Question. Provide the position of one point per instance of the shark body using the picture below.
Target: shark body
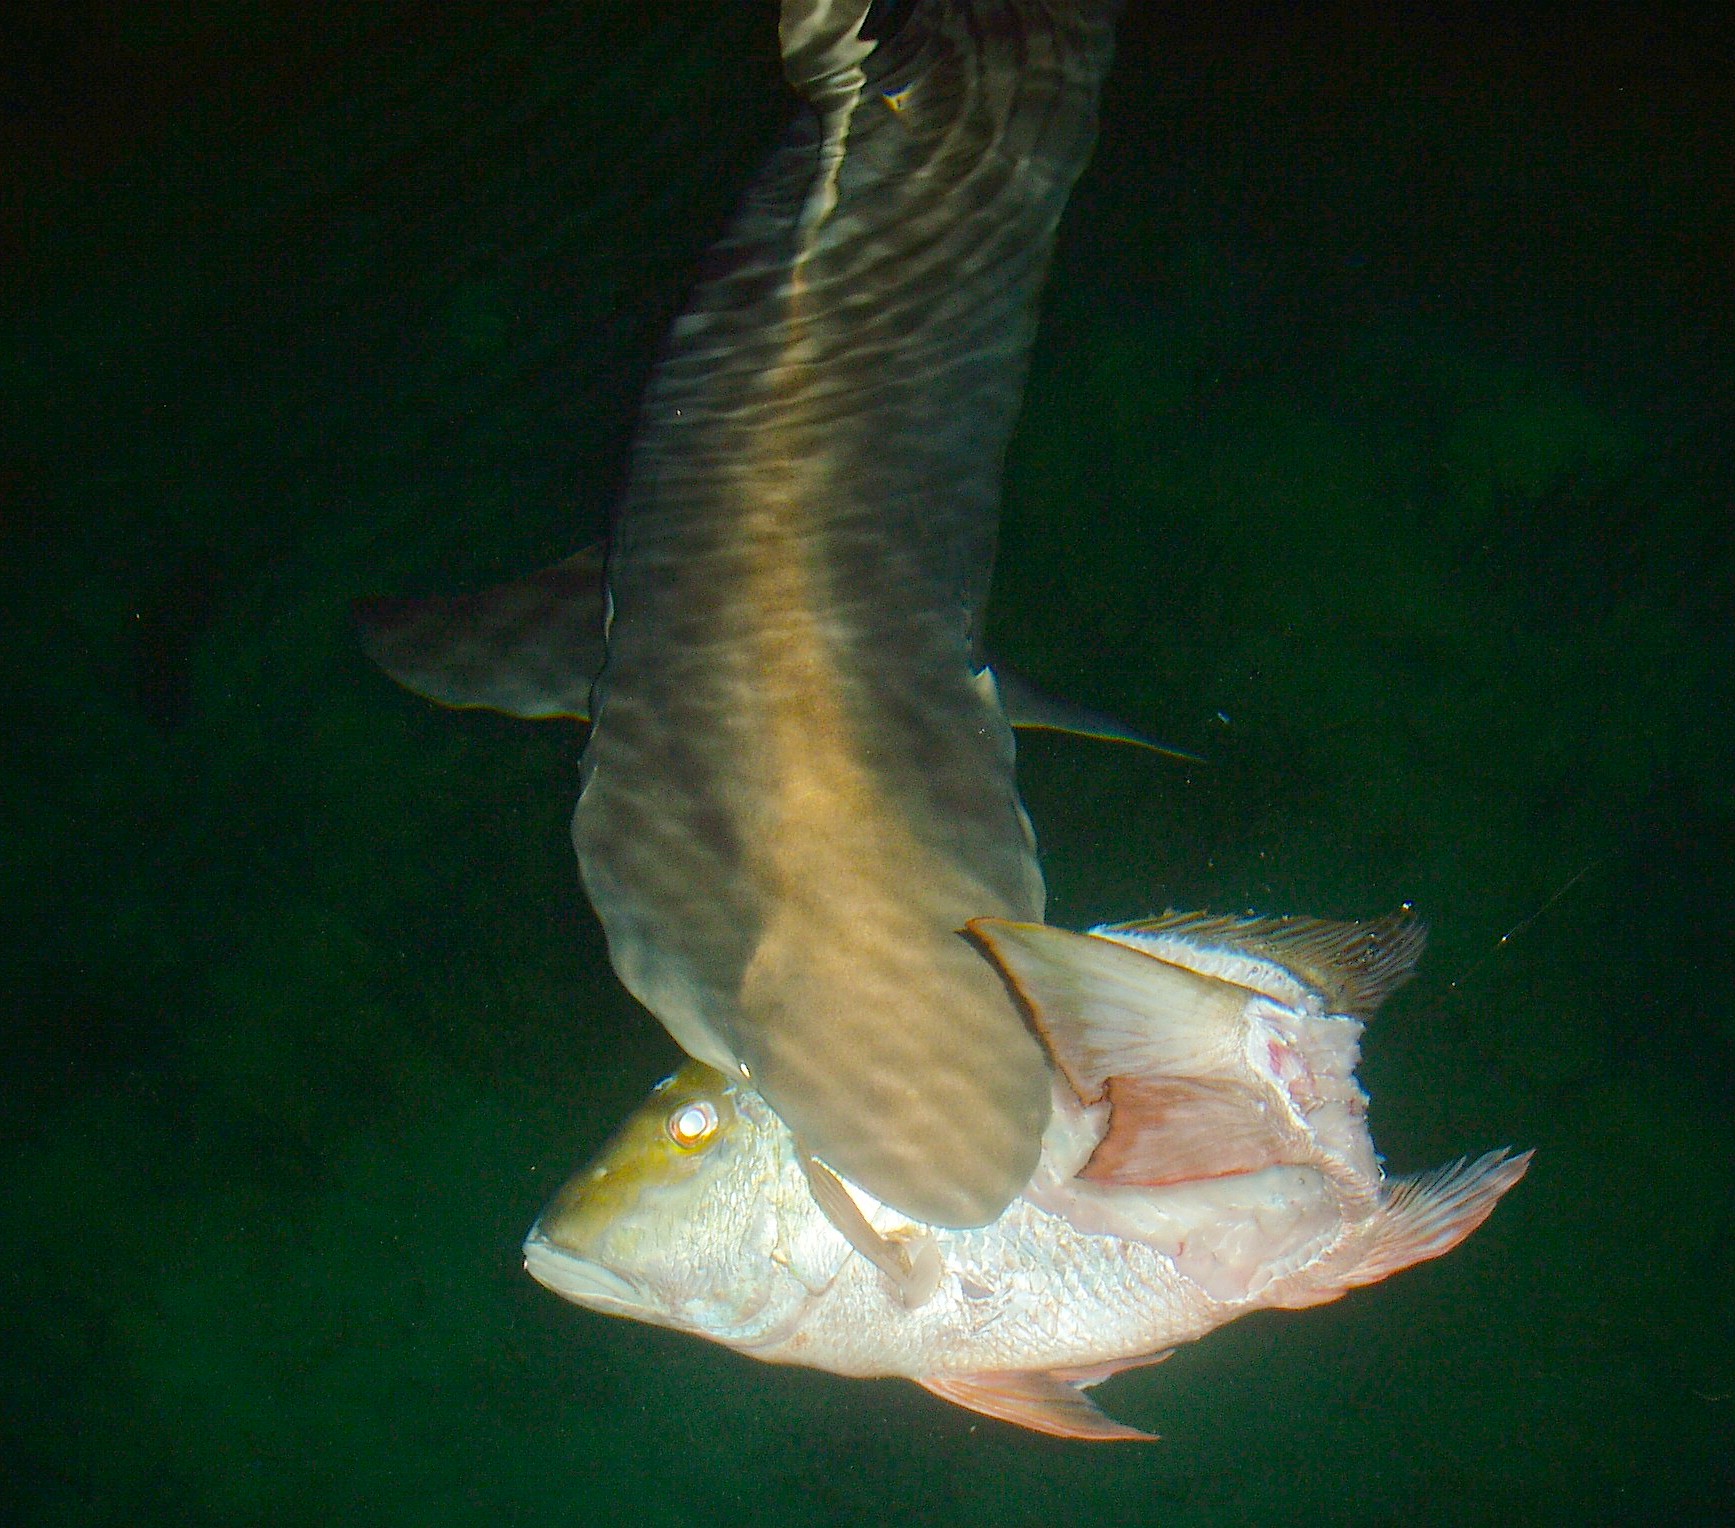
(798, 787)
(922, 1134)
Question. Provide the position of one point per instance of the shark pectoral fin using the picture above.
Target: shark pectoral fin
(912, 1263)
(1043, 1402)
(1035, 710)
(530, 648)
(1425, 1216)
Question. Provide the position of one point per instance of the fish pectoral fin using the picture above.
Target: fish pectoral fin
(911, 1261)
(1041, 1401)
(530, 648)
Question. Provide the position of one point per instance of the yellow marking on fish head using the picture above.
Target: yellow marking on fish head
(660, 1147)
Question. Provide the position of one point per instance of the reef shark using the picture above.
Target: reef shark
(798, 786)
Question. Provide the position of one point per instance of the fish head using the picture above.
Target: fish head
(686, 1217)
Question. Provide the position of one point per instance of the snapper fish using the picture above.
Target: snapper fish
(1207, 1154)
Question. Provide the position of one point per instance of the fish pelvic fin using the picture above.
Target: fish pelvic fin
(530, 648)
(1424, 1216)
(1040, 1401)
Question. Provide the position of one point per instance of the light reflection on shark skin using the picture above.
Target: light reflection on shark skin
(799, 784)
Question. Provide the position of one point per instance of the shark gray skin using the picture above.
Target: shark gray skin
(798, 787)
(799, 783)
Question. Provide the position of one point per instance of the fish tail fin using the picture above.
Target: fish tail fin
(1426, 1215)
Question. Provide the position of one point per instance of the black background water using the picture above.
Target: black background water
(1379, 447)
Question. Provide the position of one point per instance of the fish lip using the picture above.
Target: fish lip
(578, 1279)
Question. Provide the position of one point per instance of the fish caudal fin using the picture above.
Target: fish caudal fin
(1045, 1403)
(1425, 1216)
(530, 648)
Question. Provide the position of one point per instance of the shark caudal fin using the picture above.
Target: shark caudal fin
(530, 648)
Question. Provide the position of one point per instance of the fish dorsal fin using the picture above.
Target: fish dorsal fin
(1042, 1402)
(530, 648)
(912, 1263)
(1353, 966)
(1204, 1077)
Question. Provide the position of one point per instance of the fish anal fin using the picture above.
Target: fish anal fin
(530, 648)
(1164, 1130)
(1043, 1402)
(1094, 1374)
(1424, 1217)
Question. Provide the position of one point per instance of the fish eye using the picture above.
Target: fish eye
(693, 1123)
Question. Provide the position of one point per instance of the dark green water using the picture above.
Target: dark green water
(1380, 446)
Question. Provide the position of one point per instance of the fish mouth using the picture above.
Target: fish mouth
(578, 1279)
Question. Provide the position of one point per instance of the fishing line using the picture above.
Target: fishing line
(1523, 923)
